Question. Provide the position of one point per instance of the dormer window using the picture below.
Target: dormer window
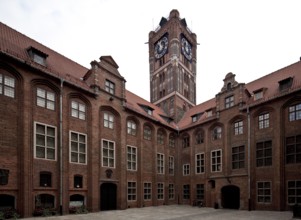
(285, 83)
(209, 113)
(258, 94)
(37, 56)
(196, 117)
(147, 109)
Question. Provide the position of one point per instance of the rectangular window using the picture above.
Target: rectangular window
(4, 174)
(200, 163)
(264, 154)
(217, 133)
(295, 112)
(160, 163)
(45, 141)
(110, 87)
(7, 86)
(171, 191)
(171, 163)
(147, 191)
(78, 110)
(238, 128)
(108, 120)
(131, 158)
(78, 181)
(45, 99)
(216, 160)
(186, 169)
(229, 102)
(294, 192)
(264, 192)
(264, 120)
(186, 191)
(160, 191)
(78, 148)
(200, 191)
(238, 157)
(108, 154)
(45, 179)
(293, 149)
(132, 191)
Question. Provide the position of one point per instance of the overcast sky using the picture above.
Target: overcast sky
(250, 38)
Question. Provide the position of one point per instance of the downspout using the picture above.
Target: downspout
(61, 147)
(249, 160)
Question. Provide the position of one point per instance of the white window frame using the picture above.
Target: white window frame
(160, 163)
(200, 163)
(218, 166)
(44, 98)
(171, 191)
(171, 165)
(78, 110)
(131, 158)
(160, 191)
(7, 85)
(35, 141)
(239, 127)
(108, 158)
(131, 127)
(147, 191)
(264, 120)
(108, 120)
(132, 191)
(78, 146)
(186, 169)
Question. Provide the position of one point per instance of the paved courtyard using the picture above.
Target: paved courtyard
(176, 212)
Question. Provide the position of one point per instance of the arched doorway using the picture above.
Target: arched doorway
(108, 196)
(230, 197)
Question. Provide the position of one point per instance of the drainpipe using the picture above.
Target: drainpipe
(249, 160)
(61, 147)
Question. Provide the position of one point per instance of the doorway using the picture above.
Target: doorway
(230, 197)
(108, 196)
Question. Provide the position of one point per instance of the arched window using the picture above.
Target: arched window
(131, 127)
(147, 133)
(217, 133)
(199, 137)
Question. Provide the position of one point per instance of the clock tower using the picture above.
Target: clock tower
(172, 60)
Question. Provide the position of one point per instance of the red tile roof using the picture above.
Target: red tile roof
(15, 44)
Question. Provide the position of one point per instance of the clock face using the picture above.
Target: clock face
(161, 47)
(186, 48)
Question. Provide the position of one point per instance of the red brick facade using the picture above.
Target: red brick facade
(71, 136)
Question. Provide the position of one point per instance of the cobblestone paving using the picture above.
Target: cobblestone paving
(175, 212)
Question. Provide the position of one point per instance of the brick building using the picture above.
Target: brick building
(72, 136)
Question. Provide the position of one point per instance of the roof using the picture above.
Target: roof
(270, 83)
(201, 110)
(135, 103)
(16, 44)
